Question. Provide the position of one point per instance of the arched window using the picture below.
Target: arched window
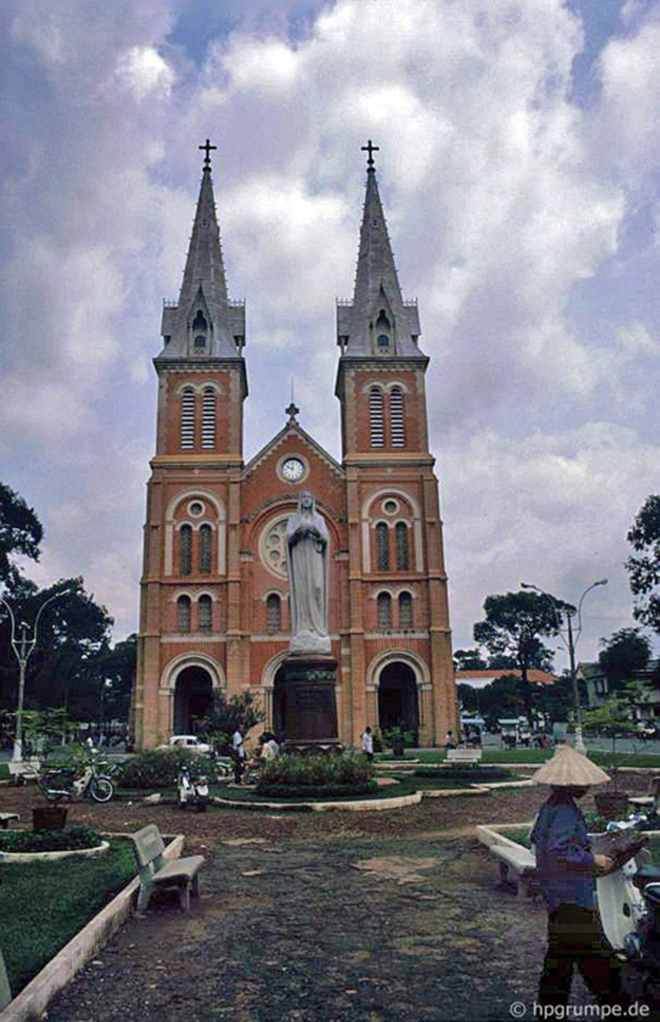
(402, 550)
(205, 549)
(185, 549)
(382, 331)
(199, 322)
(183, 613)
(273, 613)
(376, 422)
(382, 547)
(208, 419)
(405, 611)
(204, 612)
(188, 419)
(384, 610)
(397, 417)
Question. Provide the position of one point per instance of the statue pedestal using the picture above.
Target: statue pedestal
(310, 723)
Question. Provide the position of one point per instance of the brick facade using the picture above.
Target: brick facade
(214, 603)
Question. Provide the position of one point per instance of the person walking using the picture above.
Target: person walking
(238, 755)
(368, 744)
(566, 868)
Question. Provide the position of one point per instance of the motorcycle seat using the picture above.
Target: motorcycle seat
(649, 874)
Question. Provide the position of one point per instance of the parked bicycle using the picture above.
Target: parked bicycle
(75, 783)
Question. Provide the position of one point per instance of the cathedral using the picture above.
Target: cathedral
(214, 610)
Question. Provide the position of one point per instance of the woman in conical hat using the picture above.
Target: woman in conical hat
(566, 869)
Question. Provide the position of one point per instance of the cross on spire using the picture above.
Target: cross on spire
(371, 149)
(207, 147)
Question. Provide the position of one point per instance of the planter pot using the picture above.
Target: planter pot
(613, 805)
(49, 818)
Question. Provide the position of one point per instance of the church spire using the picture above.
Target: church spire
(204, 322)
(377, 321)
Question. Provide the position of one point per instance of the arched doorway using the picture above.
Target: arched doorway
(279, 703)
(192, 698)
(397, 698)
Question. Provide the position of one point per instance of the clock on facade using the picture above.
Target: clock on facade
(292, 470)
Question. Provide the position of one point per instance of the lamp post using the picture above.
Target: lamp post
(23, 648)
(571, 642)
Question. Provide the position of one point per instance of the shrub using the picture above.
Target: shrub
(158, 768)
(329, 771)
(65, 840)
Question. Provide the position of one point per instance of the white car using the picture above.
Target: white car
(186, 742)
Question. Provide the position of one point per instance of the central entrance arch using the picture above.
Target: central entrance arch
(192, 698)
(397, 698)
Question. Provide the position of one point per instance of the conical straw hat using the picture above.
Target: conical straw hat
(568, 767)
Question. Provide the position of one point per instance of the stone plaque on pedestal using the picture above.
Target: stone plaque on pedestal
(310, 722)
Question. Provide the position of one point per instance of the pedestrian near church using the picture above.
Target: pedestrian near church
(368, 744)
(567, 868)
(238, 754)
(449, 740)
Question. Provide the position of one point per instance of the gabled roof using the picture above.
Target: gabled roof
(484, 677)
(292, 428)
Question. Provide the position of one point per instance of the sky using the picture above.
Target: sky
(518, 167)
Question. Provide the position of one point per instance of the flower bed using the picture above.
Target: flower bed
(344, 775)
(68, 839)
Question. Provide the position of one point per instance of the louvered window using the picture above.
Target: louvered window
(183, 613)
(208, 419)
(377, 429)
(382, 547)
(188, 420)
(185, 549)
(273, 613)
(205, 549)
(204, 612)
(397, 417)
(384, 610)
(402, 551)
(405, 611)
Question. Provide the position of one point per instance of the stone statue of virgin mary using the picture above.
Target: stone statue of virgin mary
(307, 564)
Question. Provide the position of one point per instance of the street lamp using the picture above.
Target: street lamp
(23, 649)
(571, 642)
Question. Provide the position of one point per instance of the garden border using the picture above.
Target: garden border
(359, 805)
(18, 858)
(35, 997)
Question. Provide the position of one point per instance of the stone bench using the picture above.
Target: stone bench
(156, 872)
(6, 818)
(471, 756)
(652, 798)
(521, 862)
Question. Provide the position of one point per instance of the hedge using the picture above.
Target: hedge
(330, 771)
(65, 840)
(158, 768)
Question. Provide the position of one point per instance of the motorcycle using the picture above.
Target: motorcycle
(193, 789)
(75, 784)
(629, 904)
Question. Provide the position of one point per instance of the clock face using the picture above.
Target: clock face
(293, 469)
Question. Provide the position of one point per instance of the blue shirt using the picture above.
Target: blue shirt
(564, 860)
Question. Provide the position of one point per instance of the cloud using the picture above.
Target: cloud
(518, 214)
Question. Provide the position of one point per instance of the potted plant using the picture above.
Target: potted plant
(398, 740)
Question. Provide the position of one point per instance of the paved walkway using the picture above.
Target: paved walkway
(298, 933)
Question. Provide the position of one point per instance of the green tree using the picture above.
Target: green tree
(20, 533)
(644, 571)
(225, 716)
(503, 698)
(115, 667)
(65, 666)
(469, 660)
(624, 655)
(512, 627)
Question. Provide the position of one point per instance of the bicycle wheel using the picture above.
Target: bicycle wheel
(101, 789)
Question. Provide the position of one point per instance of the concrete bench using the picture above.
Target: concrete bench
(521, 862)
(471, 756)
(6, 818)
(24, 770)
(156, 872)
(652, 798)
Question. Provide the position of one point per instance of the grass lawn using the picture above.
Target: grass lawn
(4, 772)
(531, 756)
(43, 905)
(406, 786)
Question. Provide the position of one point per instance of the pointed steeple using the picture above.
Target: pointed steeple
(378, 321)
(204, 322)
